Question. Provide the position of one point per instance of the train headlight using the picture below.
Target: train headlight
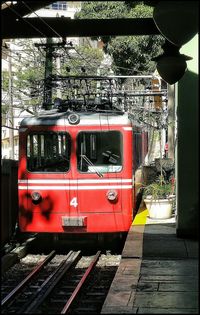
(74, 119)
(36, 196)
(112, 195)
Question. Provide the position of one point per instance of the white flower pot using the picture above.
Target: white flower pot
(159, 209)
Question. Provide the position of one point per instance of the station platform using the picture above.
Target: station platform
(158, 272)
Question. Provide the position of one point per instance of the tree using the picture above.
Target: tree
(131, 54)
(83, 58)
(27, 76)
(29, 70)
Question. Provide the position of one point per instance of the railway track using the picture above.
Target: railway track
(58, 284)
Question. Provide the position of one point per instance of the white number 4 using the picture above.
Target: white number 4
(74, 202)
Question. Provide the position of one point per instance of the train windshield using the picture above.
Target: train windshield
(99, 152)
(48, 152)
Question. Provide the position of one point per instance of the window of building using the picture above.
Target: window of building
(16, 142)
(48, 152)
(99, 152)
(59, 5)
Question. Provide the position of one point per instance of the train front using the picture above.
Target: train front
(75, 173)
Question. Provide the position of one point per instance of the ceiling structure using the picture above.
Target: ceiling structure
(15, 25)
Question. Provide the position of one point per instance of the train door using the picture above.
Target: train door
(48, 162)
(99, 164)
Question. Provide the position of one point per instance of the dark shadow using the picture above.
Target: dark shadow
(160, 242)
(188, 156)
(88, 243)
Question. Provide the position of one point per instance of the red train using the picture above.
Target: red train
(76, 172)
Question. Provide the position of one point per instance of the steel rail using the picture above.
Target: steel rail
(77, 289)
(27, 279)
(47, 287)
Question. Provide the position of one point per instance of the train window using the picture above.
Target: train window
(48, 152)
(99, 152)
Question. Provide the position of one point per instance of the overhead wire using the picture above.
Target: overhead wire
(89, 63)
(18, 51)
(4, 126)
(118, 67)
(19, 15)
(26, 22)
(57, 34)
(25, 4)
(17, 57)
(83, 58)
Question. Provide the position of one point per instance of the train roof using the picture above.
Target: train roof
(51, 118)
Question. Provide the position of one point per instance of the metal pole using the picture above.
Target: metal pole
(10, 111)
(58, 67)
(48, 76)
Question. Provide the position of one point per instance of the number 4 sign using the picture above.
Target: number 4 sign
(74, 202)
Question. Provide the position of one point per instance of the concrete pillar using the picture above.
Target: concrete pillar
(187, 151)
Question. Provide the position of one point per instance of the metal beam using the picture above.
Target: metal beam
(65, 27)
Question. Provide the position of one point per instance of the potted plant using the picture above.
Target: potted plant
(158, 197)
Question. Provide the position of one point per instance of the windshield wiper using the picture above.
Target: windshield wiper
(91, 164)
